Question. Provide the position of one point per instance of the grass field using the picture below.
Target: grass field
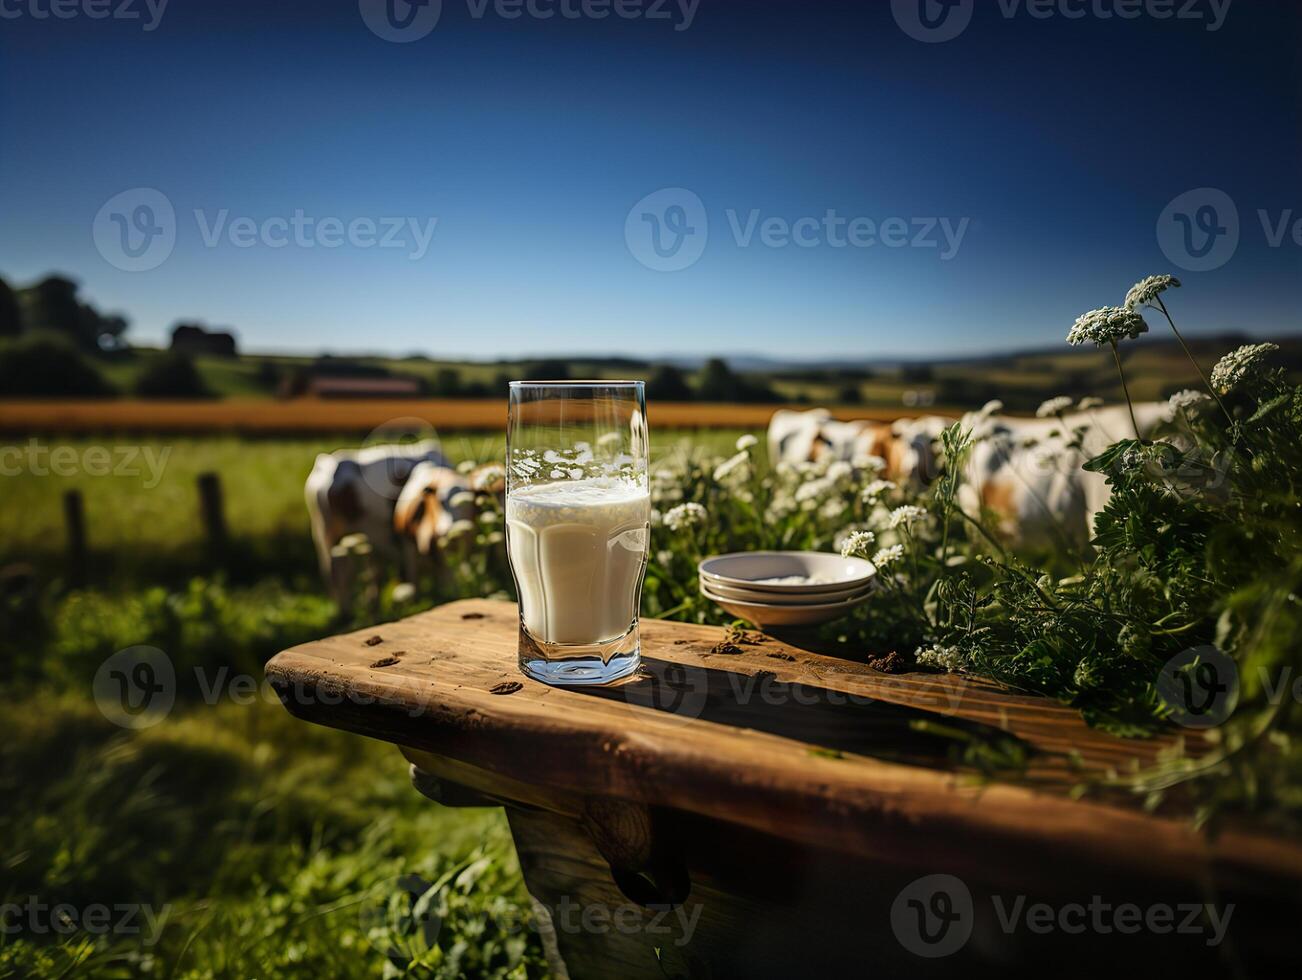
(1155, 367)
(256, 845)
(151, 513)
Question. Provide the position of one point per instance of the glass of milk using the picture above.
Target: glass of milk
(577, 525)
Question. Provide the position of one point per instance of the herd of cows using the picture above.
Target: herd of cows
(1026, 473)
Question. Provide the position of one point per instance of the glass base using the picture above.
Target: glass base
(579, 663)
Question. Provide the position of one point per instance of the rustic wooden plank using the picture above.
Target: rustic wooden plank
(801, 753)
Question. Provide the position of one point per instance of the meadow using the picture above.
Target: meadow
(260, 846)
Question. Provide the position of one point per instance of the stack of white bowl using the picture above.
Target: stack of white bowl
(786, 588)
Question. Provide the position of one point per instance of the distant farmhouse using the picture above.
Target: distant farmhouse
(192, 339)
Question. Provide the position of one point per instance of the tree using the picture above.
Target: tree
(171, 375)
(11, 315)
(720, 384)
(447, 383)
(669, 385)
(49, 367)
(850, 394)
(548, 371)
(52, 306)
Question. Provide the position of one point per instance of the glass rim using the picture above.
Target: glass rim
(577, 383)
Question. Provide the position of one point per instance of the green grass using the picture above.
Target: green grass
(278, 848)
(137, 522)
(262, 846)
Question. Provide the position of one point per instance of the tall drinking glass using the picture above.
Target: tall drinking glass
(577, 525)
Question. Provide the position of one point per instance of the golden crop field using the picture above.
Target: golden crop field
(254, 416)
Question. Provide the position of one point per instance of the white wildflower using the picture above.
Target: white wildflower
(488, 476)
(459, 529)
(1107, 326)
(888, 556)
(857, 543)
(462, 498)
(907, 515)
(746, 442)
(840, 470)
(733, 469)
(1088, 402)
(943, 658)
(811, 490)
(685, 516)
(833, 509)
(608, 440)
(488, 517)
(1188, 401)
(404, 592)
(657, 518)
(1238, 365)
(1146, 290)
(1053, 407)
(664, 558)
(876, 489)
(868, 463)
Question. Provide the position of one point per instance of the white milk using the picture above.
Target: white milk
(578, 548)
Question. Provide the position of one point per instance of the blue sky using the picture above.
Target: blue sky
(1055, 143)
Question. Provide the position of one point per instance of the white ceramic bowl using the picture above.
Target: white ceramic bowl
(747, 569)
(769, 614)
(781, 598)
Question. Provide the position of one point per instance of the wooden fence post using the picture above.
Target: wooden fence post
(211, 511)
(74, 519)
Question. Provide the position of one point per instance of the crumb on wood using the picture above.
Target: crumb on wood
(385, 662)
(723, 646)
(681, 643)
(506, 687)
(764, 675)
(782, 656)
(374, 640)
(890, 663)
(743, 637)
(472, 615)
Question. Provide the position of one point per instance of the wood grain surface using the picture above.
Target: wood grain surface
(775, 738)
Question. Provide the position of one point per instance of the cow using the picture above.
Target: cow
(355, 491)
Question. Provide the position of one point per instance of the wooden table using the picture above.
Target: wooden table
(760, 809)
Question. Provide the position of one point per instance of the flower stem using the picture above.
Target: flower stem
(1126, 389)
(1189, 354)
